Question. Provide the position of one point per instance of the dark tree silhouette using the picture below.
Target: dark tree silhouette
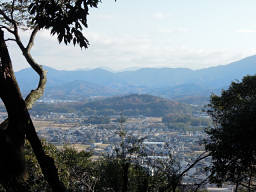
(232, 141)
(64, 18)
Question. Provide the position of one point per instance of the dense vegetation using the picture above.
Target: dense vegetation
(232, 141)
(117, 172)
(135, 105)
(130, 105)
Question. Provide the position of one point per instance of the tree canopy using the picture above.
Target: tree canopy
(232, 142)
(66, 18)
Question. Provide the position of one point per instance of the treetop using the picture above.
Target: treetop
(64, 18)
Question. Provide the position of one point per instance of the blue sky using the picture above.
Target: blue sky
(155, 33)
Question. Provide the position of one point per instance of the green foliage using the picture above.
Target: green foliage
(65, 18)
(80, 173)
(232, 141)
(122, 170)
(112, 171)
(79, 169)
(134, 105)
(166, 175)
(35, 179)
(131, 105)
(75, 169)
(110, 176)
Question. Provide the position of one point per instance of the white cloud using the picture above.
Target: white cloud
(160, 16)
(246, 31)
(104, 17)
(174, 30)
(121, 52)
(127, 51)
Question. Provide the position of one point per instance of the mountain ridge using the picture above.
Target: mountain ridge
(165, 82)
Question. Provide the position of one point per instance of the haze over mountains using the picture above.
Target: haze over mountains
(172, 83)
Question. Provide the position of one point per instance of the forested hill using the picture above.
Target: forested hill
(134, 105)
(130, 105)
(166, 82)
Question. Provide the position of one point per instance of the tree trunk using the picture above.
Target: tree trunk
(19, 124)
(12, 138)
(236, 188)
(126, 166)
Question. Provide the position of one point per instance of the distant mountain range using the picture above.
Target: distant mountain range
(176, 83)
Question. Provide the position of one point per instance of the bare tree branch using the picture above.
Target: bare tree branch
(38, 92)
(201, 157)
(248, 187)
(32, 38)
(13, 2)
(9, 39)
(6, 28)
(201, 183)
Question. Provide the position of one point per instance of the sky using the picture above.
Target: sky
(132, 34)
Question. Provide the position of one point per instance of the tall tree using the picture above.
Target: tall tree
(64, 18)
(232, 141)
